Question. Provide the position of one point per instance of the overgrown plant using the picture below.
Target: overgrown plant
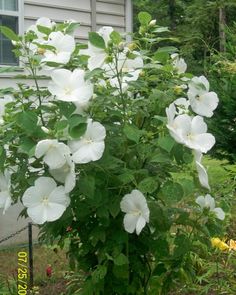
(91, 154)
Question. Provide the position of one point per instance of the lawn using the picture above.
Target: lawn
(43, 257)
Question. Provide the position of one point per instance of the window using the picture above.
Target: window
(9, 17)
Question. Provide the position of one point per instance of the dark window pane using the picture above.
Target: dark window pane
(11, 5)
(6, 55)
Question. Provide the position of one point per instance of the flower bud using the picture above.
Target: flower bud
(121, 46)
(153, 23)
(41, 51)
(132, 46)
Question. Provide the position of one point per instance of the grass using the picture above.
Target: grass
(43, 257)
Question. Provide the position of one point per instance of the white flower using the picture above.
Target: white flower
(137, 211)
(65, 174)
(70, 86)
(5, 195)
(90, 146)
(45, 201)
(3, 102)
(182, 105)
(208, 202)
(190, 131)
(179, 63)
(202, 173)
(202, 101)
(44, 22)
(97, 56)
(54, 153)
(64, 45)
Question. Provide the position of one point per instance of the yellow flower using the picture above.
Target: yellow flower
(232, 245)
(219, 244)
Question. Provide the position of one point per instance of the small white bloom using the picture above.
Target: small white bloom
(5, 186)
(179, 63)
(152, 22)
(202, 101)
(70, 86)
(137, 211)
(54, 153)
(191, 132)
(45, 201)
(64, 45)
(3, 102)
(202, 173)
(97, 56)
(65, 174)
(208, 202)
(90, 146)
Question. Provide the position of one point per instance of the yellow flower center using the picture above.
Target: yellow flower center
(45, 200)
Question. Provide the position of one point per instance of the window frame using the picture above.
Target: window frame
(20, 15)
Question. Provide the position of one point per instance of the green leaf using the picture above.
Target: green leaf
(114, 207)
(148, 185)
(183, 244)
(27, 146)
(9, 33)
(144, 18)
(99, 273)
(166, 143)
(66, 109)
(44, 30)
(2, 157)
(116, 37)
(60, 125)
(94, 73)
(132, 133)
(126, 177)
(172, 192)
(77, 125)
(87, 186)
(96, 40)
(121, 259)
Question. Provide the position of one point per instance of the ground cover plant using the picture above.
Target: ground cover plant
(95, 147)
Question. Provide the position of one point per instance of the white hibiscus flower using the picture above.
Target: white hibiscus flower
(202, 173)
(45, 201)
(137, 211)
(208, 202)
(178, 63)
(71, 86)
(64, 45)
(97, 56)
(65, 174)
(191, 132)
(54, 153)
(202, 101)
(90, 146)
